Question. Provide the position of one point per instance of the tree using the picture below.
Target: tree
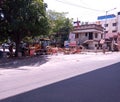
(23, 18)
(60, 25)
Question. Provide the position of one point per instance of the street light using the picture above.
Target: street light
(106, 20)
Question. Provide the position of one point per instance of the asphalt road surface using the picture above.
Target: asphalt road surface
(69, 78)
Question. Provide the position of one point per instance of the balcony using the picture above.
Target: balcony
(90, 27)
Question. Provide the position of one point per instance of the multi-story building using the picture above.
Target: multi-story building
(111, 23)
(106, 27)
(88, 35)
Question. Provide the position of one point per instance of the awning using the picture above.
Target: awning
(116, 44)
(110, 35)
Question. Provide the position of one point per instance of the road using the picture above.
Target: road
(62, 78)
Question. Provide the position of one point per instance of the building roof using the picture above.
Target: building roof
(88, 28)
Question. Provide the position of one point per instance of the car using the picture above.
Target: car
(5, 45)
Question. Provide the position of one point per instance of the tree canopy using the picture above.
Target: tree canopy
(58, 21)
(60, 25)
(24, 18)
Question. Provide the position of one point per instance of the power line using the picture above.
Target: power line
(85, 4)
(76, 5)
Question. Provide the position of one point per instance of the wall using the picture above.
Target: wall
(118, 20)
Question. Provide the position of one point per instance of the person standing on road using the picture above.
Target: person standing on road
(104, 48)
(4, 54)
(95, 48)
(11, 50)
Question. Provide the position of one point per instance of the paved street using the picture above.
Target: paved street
(85, 77)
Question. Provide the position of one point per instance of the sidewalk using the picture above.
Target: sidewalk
(29, 60)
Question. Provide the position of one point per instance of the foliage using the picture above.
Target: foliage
(60, 25)
(58, 21)
(23, 18)
(26, 17)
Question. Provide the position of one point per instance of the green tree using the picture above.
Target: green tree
(23, 18)
(60, 25)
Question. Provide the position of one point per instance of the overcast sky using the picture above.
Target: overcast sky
(84, 10)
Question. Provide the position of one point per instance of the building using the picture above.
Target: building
(106, 27)
(111, 23)
(88, 35)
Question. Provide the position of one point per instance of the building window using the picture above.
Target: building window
(86, 34)
(114, 24)
(96, 45)
(114, 31)
(96, 35)
(77, 35)
(105, 25)
(106, 31)
(90, 36)
(101, 35)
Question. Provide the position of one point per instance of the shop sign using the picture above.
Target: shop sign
(72, 43)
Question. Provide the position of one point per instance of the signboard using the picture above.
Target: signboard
(72, 43)
(72, 36)
(66, 44)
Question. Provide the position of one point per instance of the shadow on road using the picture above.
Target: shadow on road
(102, 85)
(26, 61)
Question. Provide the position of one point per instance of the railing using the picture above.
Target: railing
(90, 26)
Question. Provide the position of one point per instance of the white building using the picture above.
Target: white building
(111, 23)
(106, 27)
(88, 35)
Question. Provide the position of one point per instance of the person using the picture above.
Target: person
(104, 48)
(25, 49)
(11, 50)
(4, 53)
(3, 46)
(1, 54)
(95, 48)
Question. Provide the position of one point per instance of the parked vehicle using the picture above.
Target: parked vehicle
(5, 45)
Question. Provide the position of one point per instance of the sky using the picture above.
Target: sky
(84, 10)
